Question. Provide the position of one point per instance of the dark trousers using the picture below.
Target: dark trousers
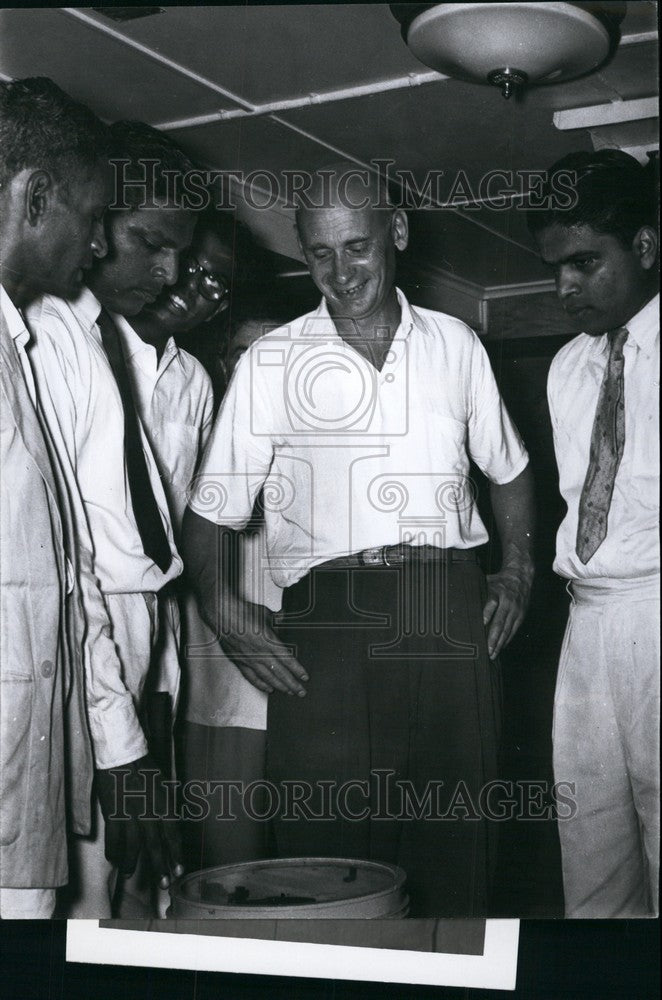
(385, 757)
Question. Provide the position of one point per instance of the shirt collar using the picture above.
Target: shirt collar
(642, 329)
(645, 326)
(14, 320)
(132, 344)
(86, 306)
(404, 327)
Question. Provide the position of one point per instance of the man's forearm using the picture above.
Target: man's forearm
(514, 514)
(210, 554)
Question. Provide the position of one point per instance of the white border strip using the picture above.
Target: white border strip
(495, 969)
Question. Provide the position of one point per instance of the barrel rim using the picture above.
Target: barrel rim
(397, 889)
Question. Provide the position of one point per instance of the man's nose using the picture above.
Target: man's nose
(167, 268)
(342, 269)
(99, 243)
(566, 282)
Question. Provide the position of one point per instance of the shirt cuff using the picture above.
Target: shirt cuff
(514, 471)
(117, 737)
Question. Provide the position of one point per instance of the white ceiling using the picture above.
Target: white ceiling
(197, 61)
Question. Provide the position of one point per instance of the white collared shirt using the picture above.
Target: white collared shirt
(74, 376)
(175, 402)
(111, 715)
(352, 458)
(631, 548)
(174, 398)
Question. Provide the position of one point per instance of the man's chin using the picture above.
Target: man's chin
(70, 289)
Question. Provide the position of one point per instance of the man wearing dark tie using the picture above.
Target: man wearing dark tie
(123, 514)
(602, 394)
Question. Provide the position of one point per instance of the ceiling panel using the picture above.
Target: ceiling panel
(446, 240)
(275, 51)
(449, 125)
(115, 80)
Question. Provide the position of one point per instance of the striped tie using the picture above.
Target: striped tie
(607, 443)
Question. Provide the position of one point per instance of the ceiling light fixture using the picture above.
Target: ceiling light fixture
(511, 45)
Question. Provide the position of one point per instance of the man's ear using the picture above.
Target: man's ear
(645, 246)
(299, 243)
(400, 229)
(39, 194)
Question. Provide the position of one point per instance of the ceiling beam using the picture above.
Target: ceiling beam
(607, 114)
(638, 37)
(310, 100)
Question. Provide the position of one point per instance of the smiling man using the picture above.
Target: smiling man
(602, 392)
(358, 420)
(122, 514)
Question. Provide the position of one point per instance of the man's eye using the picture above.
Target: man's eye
(151, 246)
(584, 262)
(320, 254)
(358, 248)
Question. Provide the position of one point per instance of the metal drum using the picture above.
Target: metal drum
(294, 888)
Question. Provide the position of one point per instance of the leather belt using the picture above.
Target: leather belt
(397, 555)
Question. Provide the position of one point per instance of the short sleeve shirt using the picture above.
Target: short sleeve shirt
(350, 457)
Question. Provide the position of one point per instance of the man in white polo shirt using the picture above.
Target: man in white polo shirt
(603, 396)
(358, 420)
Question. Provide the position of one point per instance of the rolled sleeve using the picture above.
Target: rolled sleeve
(236, 461)
(495, 444)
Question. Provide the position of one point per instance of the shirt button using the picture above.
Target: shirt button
(47, 668)
(389, 377)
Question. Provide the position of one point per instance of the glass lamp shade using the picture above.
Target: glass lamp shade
(511, 42)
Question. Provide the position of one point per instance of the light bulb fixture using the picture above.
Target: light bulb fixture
(511, 45)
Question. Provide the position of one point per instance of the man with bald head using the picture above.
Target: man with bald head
(358, 420)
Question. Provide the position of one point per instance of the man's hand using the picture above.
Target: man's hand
(135, 806)
(263, 659)
(212, 558)
(508, 599)
(509, 590)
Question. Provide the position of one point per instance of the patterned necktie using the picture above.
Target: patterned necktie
(146, 512)
(607, 443)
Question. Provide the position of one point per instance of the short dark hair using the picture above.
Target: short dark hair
(41, 127)
(137, 142)
(614, 193)
(223, 222)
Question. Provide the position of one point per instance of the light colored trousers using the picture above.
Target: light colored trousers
(606, 742)
(141, 643)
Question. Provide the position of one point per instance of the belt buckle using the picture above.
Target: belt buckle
(374, 557)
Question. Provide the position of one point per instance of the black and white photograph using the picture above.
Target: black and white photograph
(329, 549)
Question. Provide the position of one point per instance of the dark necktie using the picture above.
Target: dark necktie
(607, 443)
(145, 509)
